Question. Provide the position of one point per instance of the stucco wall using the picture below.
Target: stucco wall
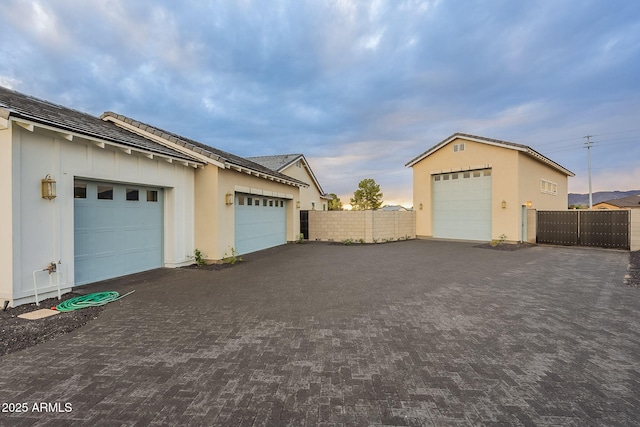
(532, 225)
(504, 183)
(368, 226)
(43, 230)
(307, 194)
(515, 179)
(635, 229)
(230, 181)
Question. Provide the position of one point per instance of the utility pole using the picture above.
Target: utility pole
(588, 146)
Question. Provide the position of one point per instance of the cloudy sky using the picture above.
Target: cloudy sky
(359, 87)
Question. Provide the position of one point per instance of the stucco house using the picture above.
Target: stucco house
(296, 166)
(470, 187)
(105, 197)
(629, 202)
(239, 205)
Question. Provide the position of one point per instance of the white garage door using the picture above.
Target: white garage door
(117, 229)
(462, 205)
(260, 222)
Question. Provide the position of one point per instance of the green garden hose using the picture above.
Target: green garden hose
(90, 300)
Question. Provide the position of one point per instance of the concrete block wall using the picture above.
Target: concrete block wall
(368, 226)
(635, 230)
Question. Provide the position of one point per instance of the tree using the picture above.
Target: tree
(335, 204)
(367, 196)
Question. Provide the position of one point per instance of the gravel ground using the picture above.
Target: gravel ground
(18, 334)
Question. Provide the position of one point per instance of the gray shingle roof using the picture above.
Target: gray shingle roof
(46, 113)
(520, 147)
(203, 149)
(276, 163)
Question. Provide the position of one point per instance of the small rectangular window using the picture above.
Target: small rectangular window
(133, 195)
(462, 146)
(249, 201)
(270, 203)
(466, 175)
(241, 200)
(256, 202)
(454, 176)
(455, 148)
(436, 178)
(476, 174)
(445, 177)
(79, 191)
(282, 203)
(264, 202)
(152, 196)
(105, 192)
(487, 172)
(313, 206)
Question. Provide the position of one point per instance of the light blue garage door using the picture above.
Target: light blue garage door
(260, 222)
(462, 205)
(118, 230)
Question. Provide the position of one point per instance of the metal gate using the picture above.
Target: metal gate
(603, 228)
(304, 224)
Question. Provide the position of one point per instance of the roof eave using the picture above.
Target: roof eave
(69, 134)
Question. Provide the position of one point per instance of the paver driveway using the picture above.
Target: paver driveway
(409, 333)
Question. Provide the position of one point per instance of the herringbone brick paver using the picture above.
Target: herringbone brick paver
(410, 333)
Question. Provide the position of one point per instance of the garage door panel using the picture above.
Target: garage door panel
(462, 207)
(116, 237)
(258, 226)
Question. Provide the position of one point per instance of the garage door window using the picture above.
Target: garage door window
(133, 195)
(152, 196)
(241, 200)
(80, 191)
(105, 192)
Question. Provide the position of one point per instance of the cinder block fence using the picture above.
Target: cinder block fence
(366, 226)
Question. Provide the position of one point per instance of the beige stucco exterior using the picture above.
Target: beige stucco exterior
(214, 218)
(516, 180)
(635, 230)
(311, 196)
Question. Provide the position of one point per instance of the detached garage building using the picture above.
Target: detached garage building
(129, 197)
(475, 188)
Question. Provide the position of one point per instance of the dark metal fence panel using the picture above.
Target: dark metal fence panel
(557, 227)
(605, 229)
(304, 224)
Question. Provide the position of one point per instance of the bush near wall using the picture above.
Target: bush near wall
(366, 226)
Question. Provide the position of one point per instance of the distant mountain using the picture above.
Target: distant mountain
(599, 196)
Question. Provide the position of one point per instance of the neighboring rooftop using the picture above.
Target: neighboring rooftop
(497, 142)
(280, 162)
(43, 112)
(632, 201)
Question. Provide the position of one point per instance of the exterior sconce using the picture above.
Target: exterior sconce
(420, 206)
(48, 188)
(298, 204)
(504, 204)
(228, 198)
(529, 204)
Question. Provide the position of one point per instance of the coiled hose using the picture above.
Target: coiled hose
(90, 300)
